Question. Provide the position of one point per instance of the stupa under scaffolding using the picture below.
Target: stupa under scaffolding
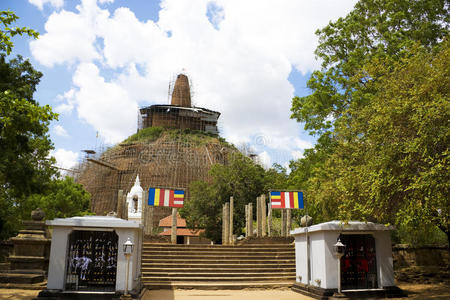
(172, 159)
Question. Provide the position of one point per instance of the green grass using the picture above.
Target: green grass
(149, 134)
(191, 136)
(196, 137)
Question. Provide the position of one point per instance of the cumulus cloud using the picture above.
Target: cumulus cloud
(70, 36)
(297, 154)
(104, 105)
(60, 131)
(238, 54)
(265, 160)
(65, 159)
(68, 102)
(40, 3)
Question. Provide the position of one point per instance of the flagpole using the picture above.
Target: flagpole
(308, 268)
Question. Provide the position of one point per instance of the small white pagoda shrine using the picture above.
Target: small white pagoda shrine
(134, 201)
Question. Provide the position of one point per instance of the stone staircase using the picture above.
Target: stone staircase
(167, 266)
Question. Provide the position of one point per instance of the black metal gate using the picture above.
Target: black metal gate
(358, 265)
(92, 261)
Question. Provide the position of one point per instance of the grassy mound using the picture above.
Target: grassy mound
(149, 134)
(196, 137)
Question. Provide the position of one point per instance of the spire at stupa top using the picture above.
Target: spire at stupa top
(181, 94)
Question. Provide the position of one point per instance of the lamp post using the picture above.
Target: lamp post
(339, 250)
(127, 250)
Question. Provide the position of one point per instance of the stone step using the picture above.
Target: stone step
(21, 278)
(207, 268)
(218, 278)
(217, 274)
(218, 245)
(170, 247)
(163, 261)
(215, 257)
(219, 254)
(201, 252)
(215, 265)
(219, 285)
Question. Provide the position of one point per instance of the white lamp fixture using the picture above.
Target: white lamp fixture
(128, 247)
(127, 250)
(339, 250)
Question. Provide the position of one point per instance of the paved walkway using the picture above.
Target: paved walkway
(415, 291)
(13, 294)
(223, 295)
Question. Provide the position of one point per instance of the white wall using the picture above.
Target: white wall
(331, 268)
(385, 264)
(124, 234)
(318, 268)
(58, 258)
(300, 259)
(324, 262)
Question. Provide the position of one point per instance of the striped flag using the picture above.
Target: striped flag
(292, 200)
(165, 197)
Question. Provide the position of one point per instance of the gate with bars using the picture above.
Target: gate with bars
(92, 261)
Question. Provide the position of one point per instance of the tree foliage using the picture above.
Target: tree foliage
(63, 198)
(392, 160)
(240, 178)
(380, 107)
(28, 177)
(374, 29)
(7, 32)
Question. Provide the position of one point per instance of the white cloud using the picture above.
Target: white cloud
(265, 160)
(297, 154)
(40, 3)
(238, 55)
(65, 158)
(60, 131)
(68, 99)
(70, 37)
(104, 105)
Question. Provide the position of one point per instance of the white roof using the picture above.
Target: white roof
(343, 226)
(94, 221)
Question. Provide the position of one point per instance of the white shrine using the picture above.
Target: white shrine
(364, 269)
(134, 201)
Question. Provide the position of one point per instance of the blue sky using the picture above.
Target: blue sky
(102, 59)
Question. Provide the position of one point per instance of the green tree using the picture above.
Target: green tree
(28, 177)
(240, 178)
(63, 198)
(7, 32)
(343, 176)
(304, 174)
(373, 29)
(392, 160)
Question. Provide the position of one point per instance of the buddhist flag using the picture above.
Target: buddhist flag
(165, 197)
(291, 200)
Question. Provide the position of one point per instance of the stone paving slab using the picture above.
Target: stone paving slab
(223, 295)
(14, 294)
(439, 291)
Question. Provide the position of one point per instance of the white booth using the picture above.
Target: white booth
(366, 262)
(87, 254)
